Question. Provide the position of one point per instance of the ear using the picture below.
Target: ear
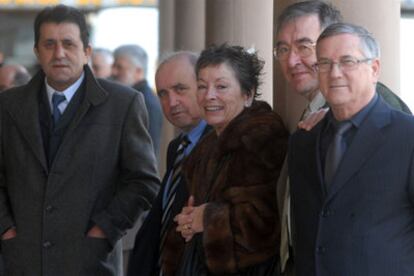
(139, 74)
(88, 52)
(376, 68)
(248, 99)
(36, 52)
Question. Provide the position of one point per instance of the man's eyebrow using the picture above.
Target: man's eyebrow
(297, 41)
(304, 40)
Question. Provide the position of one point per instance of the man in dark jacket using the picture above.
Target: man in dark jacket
(176, 88)
(298, 28)
(76, 166)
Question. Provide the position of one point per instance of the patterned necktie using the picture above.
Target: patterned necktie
(170, 192)
(335, 151)
(57, 98)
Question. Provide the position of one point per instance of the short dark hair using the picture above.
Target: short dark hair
(246, 65)
(326, 13)
(59, 14)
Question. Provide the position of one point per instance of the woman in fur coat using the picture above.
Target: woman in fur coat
(231, 224)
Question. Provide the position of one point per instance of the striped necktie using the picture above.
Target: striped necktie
(57, 98)
(170, 192)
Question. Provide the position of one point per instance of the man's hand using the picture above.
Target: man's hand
(9, 234)
(96, 232)
(313, 118)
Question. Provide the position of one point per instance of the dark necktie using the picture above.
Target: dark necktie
(170, 192)
(335, 151)
(57, 98)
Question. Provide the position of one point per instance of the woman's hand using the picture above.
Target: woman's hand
(190, 220)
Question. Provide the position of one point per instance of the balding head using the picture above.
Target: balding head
(12, 75)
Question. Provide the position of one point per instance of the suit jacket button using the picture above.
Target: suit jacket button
(320, 250)
(47, 244)
(49, 208)
(325, 213)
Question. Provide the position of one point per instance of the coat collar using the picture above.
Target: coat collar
(23, 106)
(367, 140)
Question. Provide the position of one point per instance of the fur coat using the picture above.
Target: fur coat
(236, 173)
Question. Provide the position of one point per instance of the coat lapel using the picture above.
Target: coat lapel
(94, 95)
(25, 112)
(318, 132)
(367, 140)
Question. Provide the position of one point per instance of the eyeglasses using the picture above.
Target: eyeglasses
(345, 64)
(304, 49)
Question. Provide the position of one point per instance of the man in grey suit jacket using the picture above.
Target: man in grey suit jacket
(355, 218)
(75, 172)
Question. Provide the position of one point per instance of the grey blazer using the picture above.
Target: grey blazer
(104, 173)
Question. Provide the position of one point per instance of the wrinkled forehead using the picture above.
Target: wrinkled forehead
(339, 46)
(299, 28)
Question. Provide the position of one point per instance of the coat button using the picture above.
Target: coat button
(325, 213)
(47, 244)
(49, 208)
(320, 250)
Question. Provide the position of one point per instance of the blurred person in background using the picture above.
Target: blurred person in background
(101, 62)
(130, 68)
(12, 75)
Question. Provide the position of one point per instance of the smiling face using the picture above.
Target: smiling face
(61, 53)
(219, 95)
(298, 70)
(346, 91)
(177, 90)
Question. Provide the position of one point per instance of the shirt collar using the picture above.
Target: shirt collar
(317, 102)
(359, 117)
(68, 92)
(195, 133)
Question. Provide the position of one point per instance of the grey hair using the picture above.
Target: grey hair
(326, 13)
(21, 78)
(369, 45)
(166, 58)
(137, 55)
(107, 54)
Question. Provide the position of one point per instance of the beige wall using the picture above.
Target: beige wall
(382, 18)
(247, 23)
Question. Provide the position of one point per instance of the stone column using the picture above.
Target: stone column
(182, 27)
(166, 44)
(382, 19)
(247, 23)
(190, 25)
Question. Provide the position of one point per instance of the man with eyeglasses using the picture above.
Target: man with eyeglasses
(353, 204)
(298, 28)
